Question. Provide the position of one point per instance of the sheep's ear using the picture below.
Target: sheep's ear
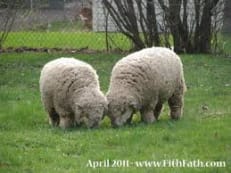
(134, 105)
(78, 106)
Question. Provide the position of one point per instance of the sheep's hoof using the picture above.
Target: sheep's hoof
(150, 120)
(148, 117)
(175, 116)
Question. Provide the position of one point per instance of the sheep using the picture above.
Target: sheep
(71, 94)
(143, 81)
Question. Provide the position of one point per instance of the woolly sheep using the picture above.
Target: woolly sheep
(71, 94)
(143, 81)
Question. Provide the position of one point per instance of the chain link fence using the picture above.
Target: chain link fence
(64, 24)
(57, 24)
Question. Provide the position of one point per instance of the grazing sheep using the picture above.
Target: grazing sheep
(143, 81)
(70, 93)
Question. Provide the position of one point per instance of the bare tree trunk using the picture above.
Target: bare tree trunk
(205, 29)
(173, 19)
(194, 39)
(190, 33)
(175, 22)
(197, 4)
(185, 30)
(152, 24)
(131, 20)
(227, 17)
(8, 16)
(106, 14)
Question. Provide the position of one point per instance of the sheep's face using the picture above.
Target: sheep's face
(93, 115)
(66, 122)
(90, 108)
(119, 113)
(90, 114)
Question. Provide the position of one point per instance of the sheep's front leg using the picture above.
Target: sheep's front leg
(66, 121)
(157, 110)
(147, 116)
(53, 117)
(129, 120)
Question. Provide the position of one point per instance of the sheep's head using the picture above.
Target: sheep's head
(120, 110)
(66, 122)
(90, 110)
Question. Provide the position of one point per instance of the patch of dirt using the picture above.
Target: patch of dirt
(54, 50)
(4, 165)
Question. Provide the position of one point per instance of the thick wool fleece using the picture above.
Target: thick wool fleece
(71, 94)
(143, 81)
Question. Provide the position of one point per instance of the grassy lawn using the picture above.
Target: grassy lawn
(77, 40)
(59, 26)
(226, 43)
(28, 144)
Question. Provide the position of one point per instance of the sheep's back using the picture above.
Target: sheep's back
(65, 75)
(148, 72)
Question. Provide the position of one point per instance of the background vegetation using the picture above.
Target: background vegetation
(76, 40)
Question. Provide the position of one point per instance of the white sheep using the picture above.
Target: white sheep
(71, 94)
(143, 81)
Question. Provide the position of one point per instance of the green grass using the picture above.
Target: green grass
(77, 40)
(29, 144)
(226, 43)
(66, 35)
(58, 26)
